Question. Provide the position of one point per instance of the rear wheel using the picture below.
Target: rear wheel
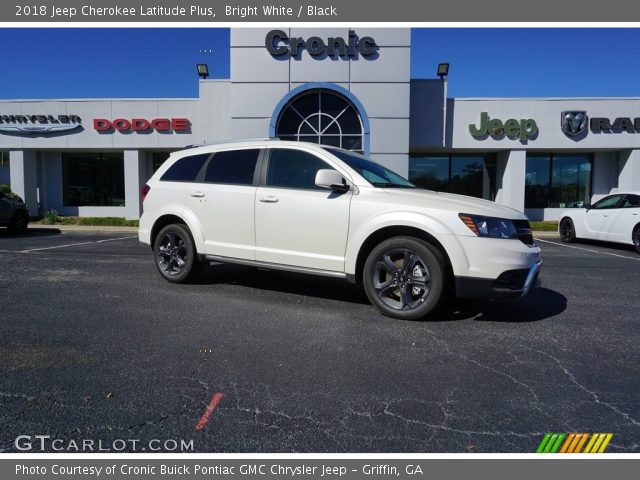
(19, 223)
(175, 254)
(567, 230)
(404, 277)
(636, 238)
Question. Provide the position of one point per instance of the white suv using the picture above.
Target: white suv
(321, 210)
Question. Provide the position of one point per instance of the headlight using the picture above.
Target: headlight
(489, 226)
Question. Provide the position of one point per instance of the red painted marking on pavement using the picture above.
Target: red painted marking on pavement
(213, 404)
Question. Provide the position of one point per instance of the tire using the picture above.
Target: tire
(405, 293)
(567, 230)
(175, 254)
(19, 223)
(636, 238)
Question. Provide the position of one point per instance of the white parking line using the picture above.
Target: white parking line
(76, 244)
(588, 249)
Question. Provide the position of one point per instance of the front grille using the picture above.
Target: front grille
(524, 231)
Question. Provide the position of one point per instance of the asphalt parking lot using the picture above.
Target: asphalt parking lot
(95, 345)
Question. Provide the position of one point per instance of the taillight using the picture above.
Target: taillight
(144, 191)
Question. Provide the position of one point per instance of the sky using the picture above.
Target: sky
(161, 62)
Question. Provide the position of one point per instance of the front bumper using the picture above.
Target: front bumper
(509, 284)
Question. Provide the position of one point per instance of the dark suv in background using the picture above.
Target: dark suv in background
(13, 213)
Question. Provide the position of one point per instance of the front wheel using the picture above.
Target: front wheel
(175, 254)
(636, 238)
(404, 277)
(19, 223)
(567, 230)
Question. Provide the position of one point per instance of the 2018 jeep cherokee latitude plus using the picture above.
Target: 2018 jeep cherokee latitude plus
(322, 210)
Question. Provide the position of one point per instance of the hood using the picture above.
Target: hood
(451, 202)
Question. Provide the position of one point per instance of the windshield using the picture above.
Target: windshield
(375, 174)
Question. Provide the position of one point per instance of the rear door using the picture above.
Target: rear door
(297, 222)
(223, 201)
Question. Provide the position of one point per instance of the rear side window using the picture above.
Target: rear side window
(186, 169)
(235, 167)
(294, 169)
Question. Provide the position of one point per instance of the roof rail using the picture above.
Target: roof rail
(220, 142)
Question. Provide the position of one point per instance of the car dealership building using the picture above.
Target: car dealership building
(339, 86)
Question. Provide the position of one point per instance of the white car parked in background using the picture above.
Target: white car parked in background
(615, 218)
(321, 210)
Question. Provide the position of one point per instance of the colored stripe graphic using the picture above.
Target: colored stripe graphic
(573, 442)
(551, 443)
(543, 443)
(570, 439)
(583, 440)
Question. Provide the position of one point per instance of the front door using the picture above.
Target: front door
(297, 222)
(597, 217)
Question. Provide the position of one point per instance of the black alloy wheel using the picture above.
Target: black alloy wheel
(567, 230)
(404, 277)
(175, 254)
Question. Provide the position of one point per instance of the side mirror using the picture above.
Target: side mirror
(332, 179)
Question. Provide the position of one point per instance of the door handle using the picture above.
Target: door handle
(269, 199)
(197, 194)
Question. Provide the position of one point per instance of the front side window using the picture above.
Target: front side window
(289, 168)
(186, 169)
(93, 179)
(631, 201)
(607, 202)
(235, 167)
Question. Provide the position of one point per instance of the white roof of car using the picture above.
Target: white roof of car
(251, 142)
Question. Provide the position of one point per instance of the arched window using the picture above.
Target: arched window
(321, 116)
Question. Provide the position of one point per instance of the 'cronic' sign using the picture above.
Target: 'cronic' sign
(278, 44)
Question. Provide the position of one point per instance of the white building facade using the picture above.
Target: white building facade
(343, 87)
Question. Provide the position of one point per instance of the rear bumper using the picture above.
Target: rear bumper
(509, 284)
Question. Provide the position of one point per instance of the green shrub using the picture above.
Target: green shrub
(548, 226)
(10, 195)
(50, 217)
(107, 221)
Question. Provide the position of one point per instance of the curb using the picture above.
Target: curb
(546, 234)
(84, 228)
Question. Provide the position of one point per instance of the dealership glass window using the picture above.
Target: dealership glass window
(4, 159)
(93, 179)
(321, 116)
(558, 180)
(473, 175)
(157, 159)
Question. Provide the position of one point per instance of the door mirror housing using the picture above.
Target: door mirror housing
(332, 179)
